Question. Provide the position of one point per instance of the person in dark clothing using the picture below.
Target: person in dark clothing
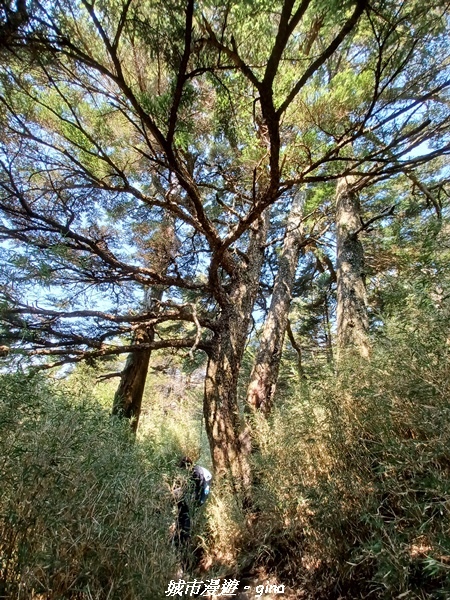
(190, 499)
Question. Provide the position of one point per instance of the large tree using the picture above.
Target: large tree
(119, 114)
(263, 379)
(352, 316)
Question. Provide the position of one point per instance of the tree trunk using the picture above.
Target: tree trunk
(221, 410)
(352, 317)
(128, 397)
(327, 328)
(263, 379)
(297, 349)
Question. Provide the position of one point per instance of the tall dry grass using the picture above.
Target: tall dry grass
(352, 492)
(85, 513)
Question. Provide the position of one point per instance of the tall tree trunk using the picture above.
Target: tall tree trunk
(128, 396)
(221, 410)
(352, 317)
(263, 379)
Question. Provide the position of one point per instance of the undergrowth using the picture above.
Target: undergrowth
(85, 513)
(352, 493)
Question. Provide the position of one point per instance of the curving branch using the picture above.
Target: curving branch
(75, 356)
(347, 28)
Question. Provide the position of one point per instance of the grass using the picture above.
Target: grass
(85, 513)
(351, 496)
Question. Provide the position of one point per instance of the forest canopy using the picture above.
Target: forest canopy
(152, 153)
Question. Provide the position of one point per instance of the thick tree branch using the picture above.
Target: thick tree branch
(75, 356)
(285, 30)
(181, 313)
(348, 26)
(181, 77)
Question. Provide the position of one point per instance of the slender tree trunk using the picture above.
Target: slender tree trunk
(352, 318)
(222, 415)
(128, 397)
(263, 379)
(297, 349)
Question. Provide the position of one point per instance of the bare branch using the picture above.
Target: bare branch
(425, 190)
(199, 331)
(74, 356)
(388, 212)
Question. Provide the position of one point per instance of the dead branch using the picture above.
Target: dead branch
(365, 225)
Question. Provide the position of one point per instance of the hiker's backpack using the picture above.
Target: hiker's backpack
(202, 479)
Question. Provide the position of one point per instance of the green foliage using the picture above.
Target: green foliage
(352, 472)
(365, 462)
(85, 512)
(172, 409)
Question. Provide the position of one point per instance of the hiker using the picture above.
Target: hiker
(190, 498)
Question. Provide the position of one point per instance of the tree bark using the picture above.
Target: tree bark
(352, 317)
(297, 349)
(263, 379)
(327, 329)
(222, 415)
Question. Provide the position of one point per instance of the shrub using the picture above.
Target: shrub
(85, 512)
(352, 473)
